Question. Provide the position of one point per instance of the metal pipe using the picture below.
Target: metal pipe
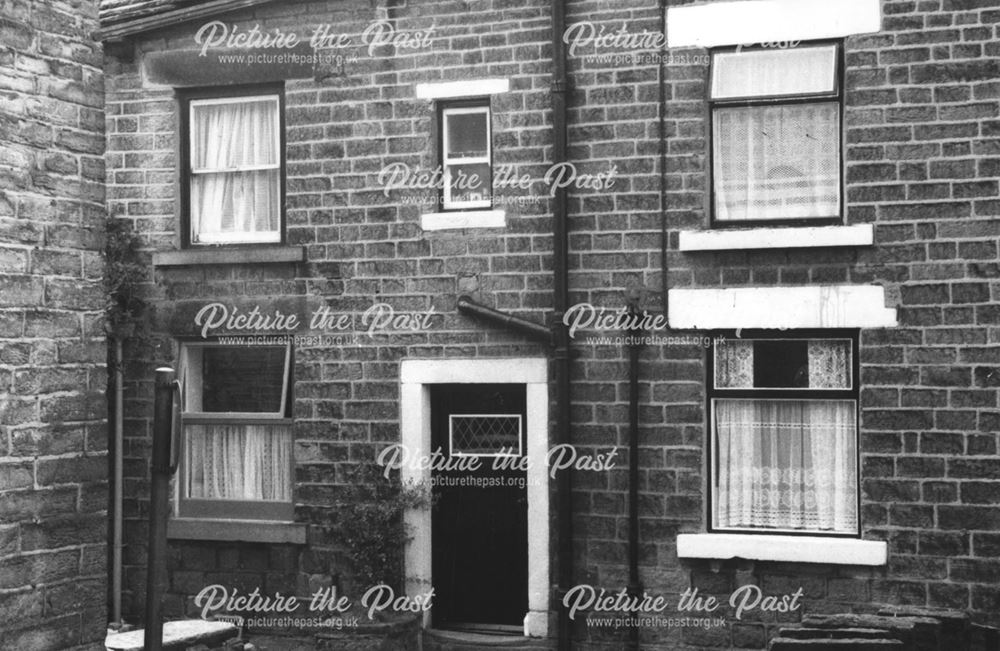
(634, 584)
(664, 265)
(119, 436)
(534, 330)
(560, 273)
(160, 471)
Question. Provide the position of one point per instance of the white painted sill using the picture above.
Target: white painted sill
(777, 238)
(469, 88)
(440, 221)
(790, 549)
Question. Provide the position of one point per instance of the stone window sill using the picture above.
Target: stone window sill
(777, 238)
(229, 255)
(266, 531)
(790, 549)
(439, 221)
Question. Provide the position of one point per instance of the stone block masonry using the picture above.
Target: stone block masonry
(920, 166)
(53, 430)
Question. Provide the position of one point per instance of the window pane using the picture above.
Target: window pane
(234, 134)
(786, 464)
(485, 434)
(470, 182)
(235, 206)
(467, 134)
(771, 72)
(783, 364)
(776, 162)
(780, 364)
(238, 462)
(243, 379)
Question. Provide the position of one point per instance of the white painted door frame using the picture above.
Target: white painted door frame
(416, 377)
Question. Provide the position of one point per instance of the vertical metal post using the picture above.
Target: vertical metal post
(160, 471)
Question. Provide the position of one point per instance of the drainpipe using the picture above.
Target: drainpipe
(529, 328)
(119, 435)
(560, 272)
(664, 279)
(634, 585)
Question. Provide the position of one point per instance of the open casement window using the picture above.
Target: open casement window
(466, 156)
(784, 434)
(776, 143)
(234, 169)
(236, 446)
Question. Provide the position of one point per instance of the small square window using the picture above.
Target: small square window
(466, 156)
(776, 135)
(784, 434)
(236, 459)
(234, 169)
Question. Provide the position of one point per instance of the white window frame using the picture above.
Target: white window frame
(190, 380)
(834, 95)
(257, 237)
(447, 162)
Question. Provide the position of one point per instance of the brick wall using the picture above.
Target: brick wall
(53, 433)
(920, 127)
(362, 248)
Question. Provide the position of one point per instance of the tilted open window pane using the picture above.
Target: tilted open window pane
(235, 170)
(774, 72)
(236, 379)
(786, 465)
(776, 162)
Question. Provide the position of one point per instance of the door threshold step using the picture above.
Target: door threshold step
(465, 641)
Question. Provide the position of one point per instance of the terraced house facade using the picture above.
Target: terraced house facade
(688, 301)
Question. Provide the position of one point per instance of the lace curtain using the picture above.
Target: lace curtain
(829, 364)
(786, 464)
(734, 364)
(239, 462)
(776, 162)
(235, 171)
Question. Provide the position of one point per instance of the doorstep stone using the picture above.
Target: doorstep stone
(177, 635)
(787, 644)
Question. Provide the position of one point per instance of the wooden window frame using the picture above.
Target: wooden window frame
(836, 95)
(186, 99)
(713, 393)
(206, 509)
(458, 107)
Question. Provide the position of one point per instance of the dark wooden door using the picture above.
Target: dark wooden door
(480, 517)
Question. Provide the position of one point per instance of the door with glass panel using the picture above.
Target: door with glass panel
(480, 517)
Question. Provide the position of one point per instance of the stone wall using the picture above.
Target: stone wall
(53, 430)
